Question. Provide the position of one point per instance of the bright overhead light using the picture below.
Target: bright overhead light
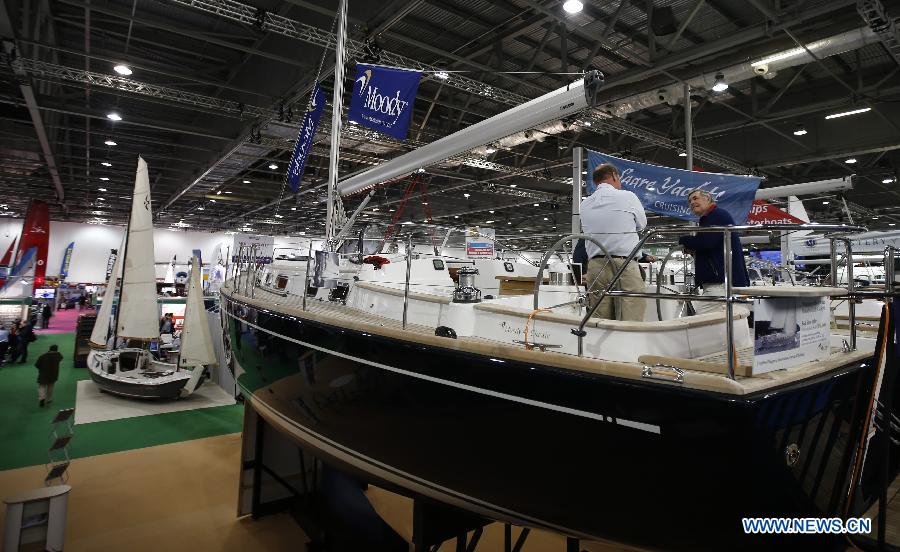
(420, 170)
(219, 192)
(443, 75)
(113, 116)
(509, 223)
(489, 222)
(455, 216)
(891, 224)
(513, 185)
(851, 112)
(586, 123)
(682, 154)
(293, 208)
(825, 202)
(888, 180)
(104, 178)
(101, 199)
(720, 85)
(536, 204)
(102, 189)
(273, 166)
(110, 143)
(424, 203)
(212, 200)
(573, 6)
(800, 130)
(279, 216)
(490, 150)
(246, 182)
(850, 161)
(465, 195)
(105, 164)
(123, 70)
(491, 212)
(229, 192)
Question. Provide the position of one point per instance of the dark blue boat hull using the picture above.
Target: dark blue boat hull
(588, 455)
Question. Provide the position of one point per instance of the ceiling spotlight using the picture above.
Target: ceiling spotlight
(293, 208)
(800, 130)
(889, 180)
(273, 166)
(545, 218)
(104, 178)
(279, 216)
(513, 185)
(851, 112)
(123, 70)
(573, 6)
(456, 216)
(720, 85)
(110, 143)
(682, 154)
(102, 189)
(489, 222)
(113, 116)
(586, 123)
(101, 199)
(489, 150)
(443, 75)
(212, 200)
(246, 182)
(229, 192)
(491, 212)
(219, 192)
(850, 161)
(509, 223)
(465, 195)
(536, 204)
(105, 164)
(825, 202)
(200, 209)
(420, 170)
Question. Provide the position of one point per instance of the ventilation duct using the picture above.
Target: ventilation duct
(764, 66)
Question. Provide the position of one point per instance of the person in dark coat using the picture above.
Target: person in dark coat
(48, 372)
(13, 341)
(26, 336)
(709, 255)
(46, 314)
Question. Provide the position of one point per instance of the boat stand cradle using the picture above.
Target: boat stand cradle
(328, 501)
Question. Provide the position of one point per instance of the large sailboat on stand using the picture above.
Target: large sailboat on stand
(132, 370)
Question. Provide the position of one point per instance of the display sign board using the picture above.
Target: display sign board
(383, 98)
(664, 190)
(763, 212)
(479, 243)
(790, 331)
(305, 137)
(265, 247)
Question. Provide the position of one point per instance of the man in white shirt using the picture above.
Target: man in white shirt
(614, 217)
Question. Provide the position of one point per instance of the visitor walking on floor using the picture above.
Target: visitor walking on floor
(4, 343)
(48, 372)
(47, 313)
(26, 337)
(13, 341)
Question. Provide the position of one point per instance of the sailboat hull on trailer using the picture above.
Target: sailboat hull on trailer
(582, 453)
(158, 380)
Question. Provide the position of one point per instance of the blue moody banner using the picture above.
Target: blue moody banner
(664, 190)
(305, 138)
(383, 98)
(67, 259)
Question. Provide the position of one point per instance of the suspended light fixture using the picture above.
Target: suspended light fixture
(110, 143)
(682, 154)
(122, 69)
(889, 180)
(800, 130)
(273, 166)
(573, 6)
(102, 189)
(846, 113)
(113, 116)
(720, 85)
(105, 164)
(850, 161)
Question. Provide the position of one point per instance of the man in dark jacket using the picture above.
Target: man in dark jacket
(48, 372)
(26, 336)
(708, 251)
(46, 313)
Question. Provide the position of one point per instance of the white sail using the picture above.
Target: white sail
(101, 326)
(20, 283)
(170, 272)
(196, 341)
(139, 314)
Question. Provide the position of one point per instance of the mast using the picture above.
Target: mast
(336, 105)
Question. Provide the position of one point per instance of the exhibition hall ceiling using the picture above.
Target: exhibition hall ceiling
(213, 91)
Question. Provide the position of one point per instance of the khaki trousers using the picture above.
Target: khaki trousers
(600, 272)
(706, 307)
(45, 391)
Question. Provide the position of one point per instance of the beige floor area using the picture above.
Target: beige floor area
(177, 497)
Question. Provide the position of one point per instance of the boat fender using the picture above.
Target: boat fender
(445, 331)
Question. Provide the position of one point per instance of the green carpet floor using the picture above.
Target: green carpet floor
(25, 428)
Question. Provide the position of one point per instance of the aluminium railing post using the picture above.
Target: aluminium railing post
(729, 305)
(408, 270)
(255, 266)
(306, 276)
(889, 256)
(851, 287)
(834, 262)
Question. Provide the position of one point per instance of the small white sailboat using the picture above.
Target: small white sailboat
(133, 371)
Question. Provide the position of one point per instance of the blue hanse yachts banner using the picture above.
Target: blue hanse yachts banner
(305, 138)
(383, 98)
(664, 190)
